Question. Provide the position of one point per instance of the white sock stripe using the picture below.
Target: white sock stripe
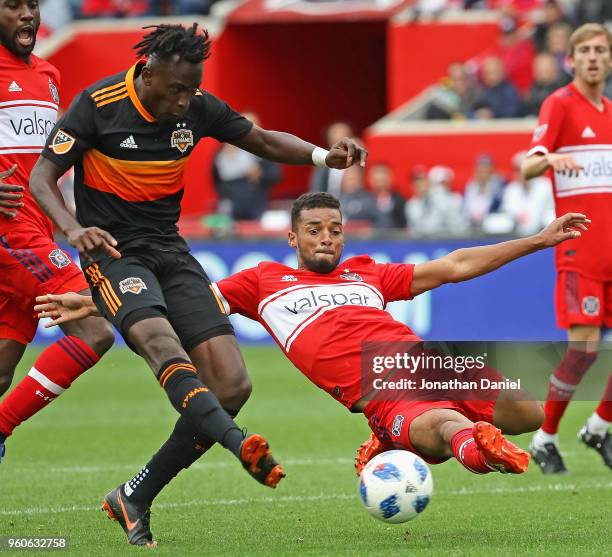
(460, 451)
(462, 448)
(562, 386)
(44, 382)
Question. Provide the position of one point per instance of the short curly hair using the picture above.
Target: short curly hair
(312, 200)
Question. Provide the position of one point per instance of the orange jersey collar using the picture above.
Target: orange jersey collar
(129, 82)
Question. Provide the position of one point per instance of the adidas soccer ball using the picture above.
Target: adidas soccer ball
(396, 486)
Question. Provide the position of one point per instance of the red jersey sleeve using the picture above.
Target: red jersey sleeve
(395, 279)
(239, 292)
(550, 120)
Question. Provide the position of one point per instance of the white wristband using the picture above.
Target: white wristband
(318, 157)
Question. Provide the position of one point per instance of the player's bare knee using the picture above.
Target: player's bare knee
(234, 392)
(157, 349)
(517, 412)
(156, 342)
(6, 378)
(531, 416)
(242, 390)
(430, 433)
(99, 336)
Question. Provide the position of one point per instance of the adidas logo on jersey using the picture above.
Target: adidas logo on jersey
(587, 132)
(128, 143)
(14, 88)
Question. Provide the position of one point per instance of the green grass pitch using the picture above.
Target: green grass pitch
(61, 463)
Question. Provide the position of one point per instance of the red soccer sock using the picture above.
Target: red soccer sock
(466, 451)
(53, 372)
(604, 410)
(562, 384)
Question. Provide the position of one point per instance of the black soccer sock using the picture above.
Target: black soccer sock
(179, 452)
(192, 399)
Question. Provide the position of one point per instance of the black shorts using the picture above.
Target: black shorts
(158, 284)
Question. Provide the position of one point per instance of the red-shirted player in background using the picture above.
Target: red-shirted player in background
(323, 312)
(574, 140)
(30, 262)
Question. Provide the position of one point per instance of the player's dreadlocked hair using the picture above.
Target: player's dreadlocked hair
(312, 200)
(166, 41)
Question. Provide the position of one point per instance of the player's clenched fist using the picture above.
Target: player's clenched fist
(345, 153)
(91, 240)
(10, 195)
(567, 227)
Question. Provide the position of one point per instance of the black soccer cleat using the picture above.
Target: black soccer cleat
(548, 458)
(2, 450)
(258, 461)
(133, 518)
(603, 445)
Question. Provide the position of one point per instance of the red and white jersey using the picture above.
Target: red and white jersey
(569, 123)
(29, 101)
(321, 321)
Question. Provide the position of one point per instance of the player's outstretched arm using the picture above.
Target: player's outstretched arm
(10, 195)
(538, 164)
(290, 149)
(62, 308)
(468, 263)
(43, 186)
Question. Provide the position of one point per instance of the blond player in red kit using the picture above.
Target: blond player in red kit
(30, 262)
(573, 140)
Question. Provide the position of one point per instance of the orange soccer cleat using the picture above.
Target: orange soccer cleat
(258, 461)
(498, 452)
(371, 447)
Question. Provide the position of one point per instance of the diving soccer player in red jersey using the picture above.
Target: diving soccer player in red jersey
(30, 262)
(574, 140)
(320, 315)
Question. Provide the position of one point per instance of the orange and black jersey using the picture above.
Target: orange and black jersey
(128, 166)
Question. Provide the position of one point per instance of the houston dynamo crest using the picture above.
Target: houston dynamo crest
(181, 139)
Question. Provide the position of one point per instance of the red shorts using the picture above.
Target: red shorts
(390, 420)
(30, 267)
(582, 301)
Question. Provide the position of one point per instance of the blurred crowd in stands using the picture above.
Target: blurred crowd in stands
(528, 62)
(510, 80)
(57, 13)
(489, 203)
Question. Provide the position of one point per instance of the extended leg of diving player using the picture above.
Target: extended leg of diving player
(480, 447)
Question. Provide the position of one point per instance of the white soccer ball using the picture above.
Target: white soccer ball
(396, 486)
